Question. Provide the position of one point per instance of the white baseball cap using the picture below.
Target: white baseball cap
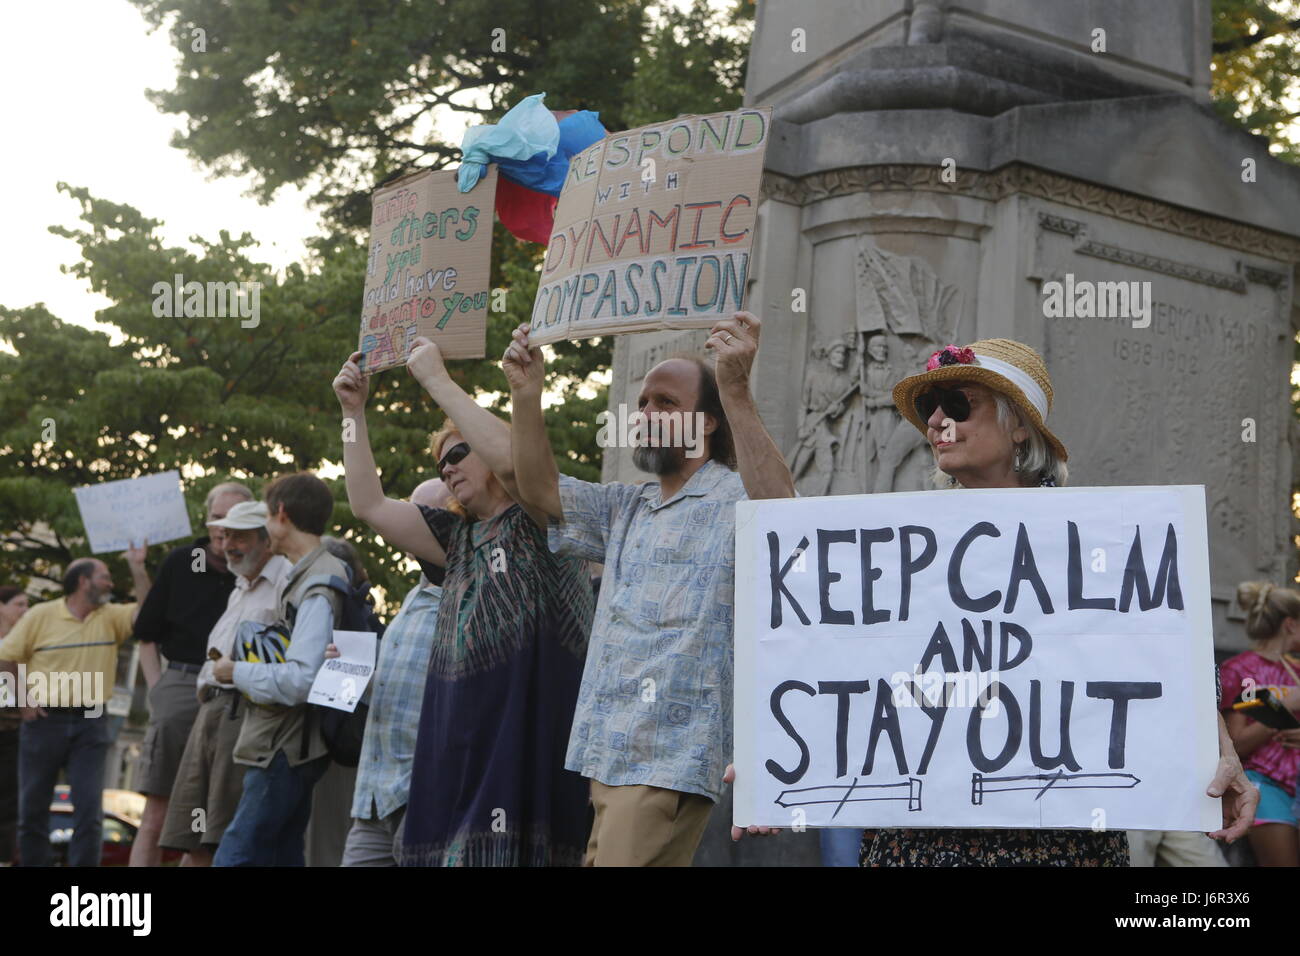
(245, 516)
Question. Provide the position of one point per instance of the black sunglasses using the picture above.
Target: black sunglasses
(955, 404)
(453, 457)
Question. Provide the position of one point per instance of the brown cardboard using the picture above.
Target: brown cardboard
(428, 271)
(653, 228)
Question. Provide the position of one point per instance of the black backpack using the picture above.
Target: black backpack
(341, 731)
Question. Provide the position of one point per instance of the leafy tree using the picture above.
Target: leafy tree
(1256, 65)
(333, 97)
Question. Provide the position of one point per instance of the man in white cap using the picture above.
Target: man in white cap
(209, 783)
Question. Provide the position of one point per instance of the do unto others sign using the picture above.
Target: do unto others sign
(976, 658)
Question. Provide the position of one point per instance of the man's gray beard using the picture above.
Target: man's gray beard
(245, 568)
(658, 461)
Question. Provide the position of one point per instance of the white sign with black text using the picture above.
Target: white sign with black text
(119, 514)
(1013, 658)
(341, 681)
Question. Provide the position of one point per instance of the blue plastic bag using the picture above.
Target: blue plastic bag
(528, 132)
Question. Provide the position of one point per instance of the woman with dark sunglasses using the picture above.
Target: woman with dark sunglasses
(488, 785)
(983, 410)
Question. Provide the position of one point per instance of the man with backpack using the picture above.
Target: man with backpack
(280, 745)
(209, 783)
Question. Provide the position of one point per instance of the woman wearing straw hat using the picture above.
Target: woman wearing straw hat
(983, 409)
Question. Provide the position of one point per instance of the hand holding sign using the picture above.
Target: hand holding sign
(729, 776)
(1240, 796)
(523, 364)
(352, 386)
(135, 555)
(426, 365)
(735, 342)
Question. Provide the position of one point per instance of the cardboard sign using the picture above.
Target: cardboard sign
(653, 228)
(118, 514)
(986, 658)
(429, 267)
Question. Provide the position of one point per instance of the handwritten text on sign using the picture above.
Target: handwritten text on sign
(653, 228)
(428, 268)
(994, 658)
(118, 514)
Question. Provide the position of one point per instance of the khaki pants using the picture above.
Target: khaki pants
(645, 826)
(1173, 848)
(208, 780)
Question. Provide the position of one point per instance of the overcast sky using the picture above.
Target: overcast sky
(74, 74)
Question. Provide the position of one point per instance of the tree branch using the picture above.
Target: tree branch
(1246, 42)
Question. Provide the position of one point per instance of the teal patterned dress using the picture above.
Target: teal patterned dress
(488, 785)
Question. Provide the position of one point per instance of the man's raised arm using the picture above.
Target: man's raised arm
(536, 477)
(760, 463)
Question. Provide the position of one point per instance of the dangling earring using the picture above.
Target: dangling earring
(1017, 458)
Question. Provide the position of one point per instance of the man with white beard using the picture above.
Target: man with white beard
(209, 783)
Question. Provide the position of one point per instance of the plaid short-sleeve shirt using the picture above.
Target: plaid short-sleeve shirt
(655, 703)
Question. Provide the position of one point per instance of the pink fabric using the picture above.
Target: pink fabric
(1272, 759)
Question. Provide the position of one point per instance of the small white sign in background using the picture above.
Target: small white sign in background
(118, 514)
(341, 681)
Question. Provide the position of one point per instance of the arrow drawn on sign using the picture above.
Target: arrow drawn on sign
(841, 794)
(1042, 782)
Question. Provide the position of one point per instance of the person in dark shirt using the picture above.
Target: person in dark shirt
(188, 597)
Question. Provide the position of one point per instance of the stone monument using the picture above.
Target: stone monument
(936, 168)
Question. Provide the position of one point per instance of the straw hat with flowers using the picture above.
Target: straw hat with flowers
(1004, 365)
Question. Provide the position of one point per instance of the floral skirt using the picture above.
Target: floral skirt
(944, 847)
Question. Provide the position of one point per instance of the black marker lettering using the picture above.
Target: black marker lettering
(842, 689)
(1121, 692)
(778, 579)
(955, 588)
(774, 768)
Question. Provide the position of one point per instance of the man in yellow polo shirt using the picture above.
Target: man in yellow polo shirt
(64, 656)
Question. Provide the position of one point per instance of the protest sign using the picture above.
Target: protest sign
(653, 228)
(984, 658)
(341, 681)
(428, 268)
(118, 514)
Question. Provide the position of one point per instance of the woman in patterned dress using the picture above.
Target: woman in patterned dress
(983, 409)
(488, 785)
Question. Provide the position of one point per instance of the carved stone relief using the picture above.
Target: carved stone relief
(850, 439)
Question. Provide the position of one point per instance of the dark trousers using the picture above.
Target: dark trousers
(8, 789)
(271, 821)
(63, 740)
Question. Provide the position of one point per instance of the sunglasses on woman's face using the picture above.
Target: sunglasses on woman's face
(454, 457)
(954, 403)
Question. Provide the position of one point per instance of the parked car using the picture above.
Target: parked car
(123, 810)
